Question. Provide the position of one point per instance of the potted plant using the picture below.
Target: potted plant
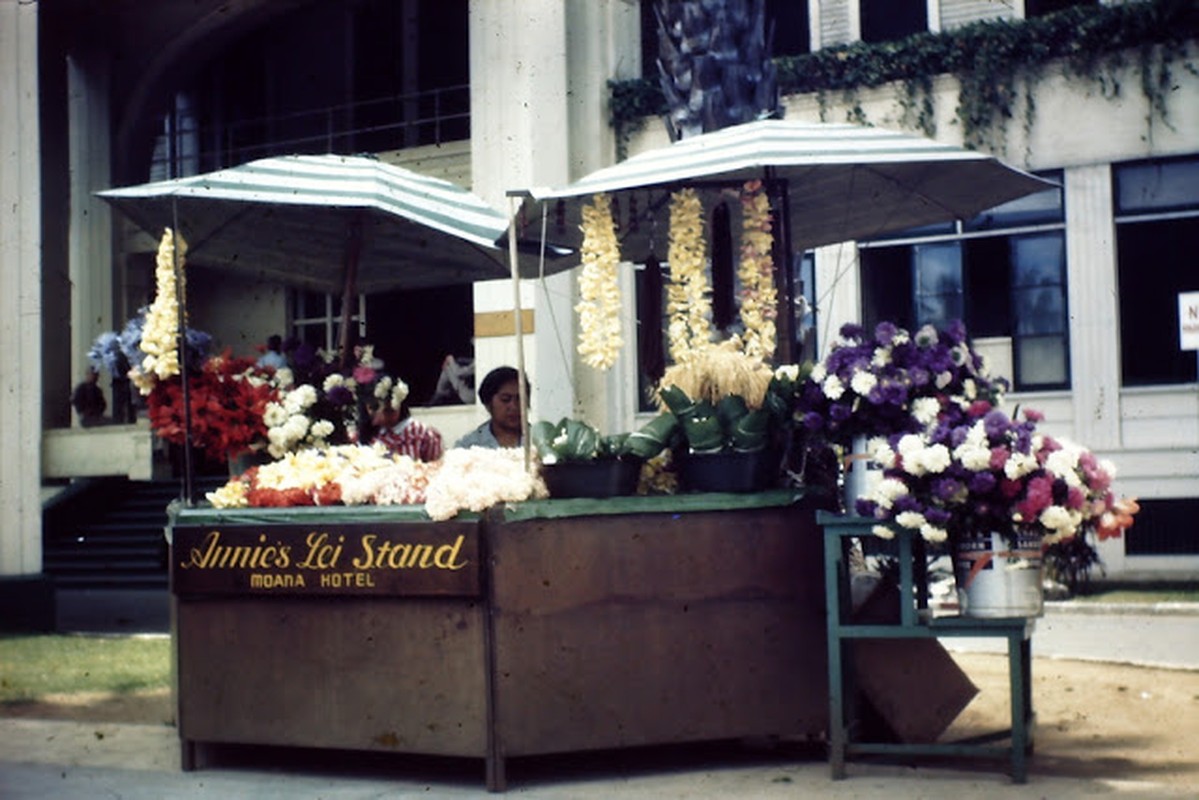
(725, 418)
(577, 461)
(997, 493)
(891, 382)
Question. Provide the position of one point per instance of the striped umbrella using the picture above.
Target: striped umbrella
(328, 223)
(835, 182)
(828, 183)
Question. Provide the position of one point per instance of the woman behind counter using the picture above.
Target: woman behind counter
(500, 395)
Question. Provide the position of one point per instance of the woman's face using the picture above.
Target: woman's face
(505, 407)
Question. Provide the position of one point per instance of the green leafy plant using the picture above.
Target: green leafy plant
(574, 440)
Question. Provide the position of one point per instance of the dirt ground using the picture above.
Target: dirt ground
(1094, 720)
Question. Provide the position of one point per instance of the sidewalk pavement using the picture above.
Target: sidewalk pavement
(67, 760)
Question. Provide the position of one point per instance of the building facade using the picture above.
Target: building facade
(1074, 295)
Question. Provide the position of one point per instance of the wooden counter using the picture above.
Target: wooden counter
(552, 626)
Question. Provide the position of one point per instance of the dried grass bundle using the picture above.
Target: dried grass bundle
(718, 371)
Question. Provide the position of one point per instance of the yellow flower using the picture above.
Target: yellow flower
(600, 336)
(688, 300)
(160, 332)
(758, 295)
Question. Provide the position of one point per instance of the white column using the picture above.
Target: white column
(20, 293)
(1094, 317)
(539, 72)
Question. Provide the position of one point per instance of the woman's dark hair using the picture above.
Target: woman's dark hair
(494, 380)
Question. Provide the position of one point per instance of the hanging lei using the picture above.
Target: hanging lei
(759, 297)
(600, 338)
(161, 329)
(688, 296)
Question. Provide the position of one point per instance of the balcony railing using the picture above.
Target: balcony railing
(189, 145)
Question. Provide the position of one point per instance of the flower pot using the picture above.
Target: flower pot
(729, 471)
(604, 478)
(859, 474)
(999, 578)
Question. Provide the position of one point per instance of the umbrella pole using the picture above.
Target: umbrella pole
(518, 328)
(350, 288)
(181, 347)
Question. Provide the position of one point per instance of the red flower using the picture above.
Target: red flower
(226, 398)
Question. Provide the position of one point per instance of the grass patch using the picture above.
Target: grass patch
(32, 667)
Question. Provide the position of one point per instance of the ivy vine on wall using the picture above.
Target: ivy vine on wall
(991, 60)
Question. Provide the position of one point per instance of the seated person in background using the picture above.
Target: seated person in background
(273, 357)
(395, 429)
(88, 400)
(500, 395)
(456, 383)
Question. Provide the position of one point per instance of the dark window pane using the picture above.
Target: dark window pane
(884, 20)
(988, 286)
(1157, 186)
(791, 30)
(1038, 260)
(1039, 311)
(938, 269)
(1155, 263)
(887, 286)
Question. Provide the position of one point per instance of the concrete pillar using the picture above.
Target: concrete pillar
(1094, 318)
(20, 293)
(539, 72)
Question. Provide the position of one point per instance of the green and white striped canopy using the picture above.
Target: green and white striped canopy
(841, 182)
(288, 219)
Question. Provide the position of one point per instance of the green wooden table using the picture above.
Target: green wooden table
(915, 621)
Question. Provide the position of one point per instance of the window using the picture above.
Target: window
(316, 319)
(884, 20)
(1157, 234)
(1003, 273)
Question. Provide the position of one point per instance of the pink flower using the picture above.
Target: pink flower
(999, 457)
(364, 375)
(979, 408)
(1075, 498)
(1032, 415)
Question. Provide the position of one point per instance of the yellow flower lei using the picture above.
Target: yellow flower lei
(600, 338)
(161, 328)
(759, 297)
(688, 295)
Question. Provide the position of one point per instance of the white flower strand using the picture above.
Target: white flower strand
(160, 331)
(600, 337)
(688, 297)
(759, 297)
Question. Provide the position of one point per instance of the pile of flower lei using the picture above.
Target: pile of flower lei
(894, 382)
(688, 297)
(159, 338)
(600, 337)
(227, 397)
(759, 297)
(988, 472)
(473, 479)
